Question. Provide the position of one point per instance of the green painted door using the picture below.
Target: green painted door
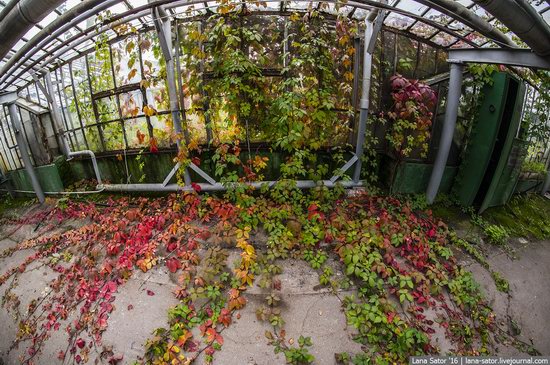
(504, 178)
(482, 138)
(490, 166)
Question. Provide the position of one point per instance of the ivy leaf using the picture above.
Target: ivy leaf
(150, 293)
(132, 73)
(153, 145)
(173, 265)
(140, 136)
(149, 111)
(129, 47)
(196, 187)
(80, 343)
(145, 44)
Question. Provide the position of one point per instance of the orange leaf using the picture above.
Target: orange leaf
(140, 137)
(132, 73)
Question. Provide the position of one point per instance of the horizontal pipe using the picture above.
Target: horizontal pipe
(94, 162)
(55, 192)
(301, 184)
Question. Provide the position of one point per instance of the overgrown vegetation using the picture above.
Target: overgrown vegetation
(524, 216)
(400, 260)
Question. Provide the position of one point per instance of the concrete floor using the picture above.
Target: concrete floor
(307, 309)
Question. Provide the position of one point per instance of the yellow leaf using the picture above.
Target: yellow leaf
(144, 84)
(149, 110)
(129, 47)
(193, 144)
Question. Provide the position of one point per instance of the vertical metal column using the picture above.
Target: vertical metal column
(16, 124)
(355, 87)
(56, 115)
(163, 28)
(451, 112)
(364, 103)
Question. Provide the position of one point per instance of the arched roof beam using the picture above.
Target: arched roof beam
(21, 17)
(522, 19)
(464, 15)
(75, 15)
(80, 13)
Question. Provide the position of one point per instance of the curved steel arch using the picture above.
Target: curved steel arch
(85, 10)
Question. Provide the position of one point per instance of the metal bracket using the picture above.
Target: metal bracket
(163, 29)
(193, 167)
(344, 168)
(171, 174)
(42, 88)
(375, 30)
(202, 174)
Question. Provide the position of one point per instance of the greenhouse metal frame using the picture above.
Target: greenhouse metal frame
(42, 41)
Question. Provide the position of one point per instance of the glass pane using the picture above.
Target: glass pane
(107, 109)
(398, 21)
(92, 136)
(126, 61)
(101, 72)
(82, 91)
(154, 73)
(79, 139)
(162, 129)
(131, 104)
(137, 132)
(114, 136)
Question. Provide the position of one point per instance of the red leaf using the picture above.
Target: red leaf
(153, 145)
(78, 359)
(173, 264)
(211, 334)
(196, 187)
(172, 246)
(130, 307)
(111, 286)
(150, 293)
(80, 343)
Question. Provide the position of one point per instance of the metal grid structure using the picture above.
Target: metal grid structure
(538, 145)
(35, 123)
(431, 24)
(86, 127)
(61, 44)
